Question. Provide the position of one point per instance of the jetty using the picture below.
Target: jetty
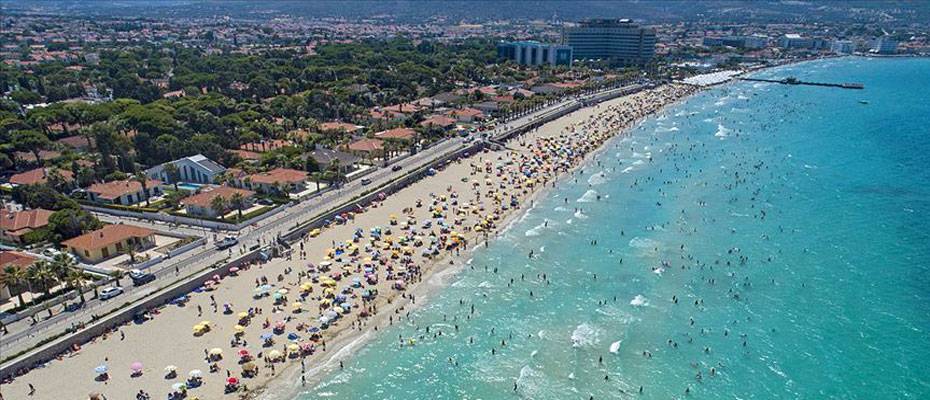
(795, 81)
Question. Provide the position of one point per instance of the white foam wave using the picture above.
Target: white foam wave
(639, 301)
(588, 197)
(584, 335)
(722, 131)
(643, 243)
(580, 215)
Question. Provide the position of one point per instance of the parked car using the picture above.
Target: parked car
(396, 168)
(140, 278)
(110, 292)
(265, 202)
(366, 181)
(225, 243)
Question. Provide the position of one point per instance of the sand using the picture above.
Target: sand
(167, 339)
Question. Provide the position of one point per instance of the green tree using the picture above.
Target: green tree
(75, 280)
(41, 273)
(14, 278)
(237, 201)
(144, 181)
(218, 204)
(31, 141)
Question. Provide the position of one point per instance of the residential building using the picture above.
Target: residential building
(466, 114)
(795, 41)
(41, 175)
(326, 157)
(367, 147)
(14, 225)
(278, 180)
(196, 169)
(17, 260)
(620, 40)
(124, 192)
(742, 42)
(535, 53)
(111, 240)
(843, 47)
(340, 126)
(885, 45)
(201, 204)
(406, 134)
(438, 121)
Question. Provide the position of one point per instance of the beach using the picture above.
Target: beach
(360, 276)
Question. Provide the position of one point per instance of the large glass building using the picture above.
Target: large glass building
(619, 40)
(535, 53)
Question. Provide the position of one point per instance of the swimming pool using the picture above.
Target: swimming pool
(193, 187)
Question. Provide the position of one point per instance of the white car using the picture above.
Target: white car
(226, 242)
(110, 292)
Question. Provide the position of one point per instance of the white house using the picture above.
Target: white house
(196, 169)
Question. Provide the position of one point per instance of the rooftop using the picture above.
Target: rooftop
(40, 175)
(115, 189)
(106, 236)
(205, 197)
(29, 219)
(279, 175)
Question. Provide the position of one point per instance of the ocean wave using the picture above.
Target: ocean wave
(643, 243)
(536, 230)
(722, 131)
(584, 335)
(580, 215)
(588, 197)
(598, 178)
(639, 301)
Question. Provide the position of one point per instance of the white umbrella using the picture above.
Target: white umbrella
(196, 373)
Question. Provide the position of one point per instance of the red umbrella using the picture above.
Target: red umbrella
(232, 380)
(243, 353)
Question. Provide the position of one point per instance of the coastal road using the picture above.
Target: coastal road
(23, 334)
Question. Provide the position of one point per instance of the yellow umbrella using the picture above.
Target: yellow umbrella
(293, 347)
(306, 286)
(216, 351)
(199, 328)
(243, 315)
(297, 304)
(274, 354)
(239, 329)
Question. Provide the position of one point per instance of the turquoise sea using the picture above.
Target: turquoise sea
(790, 223)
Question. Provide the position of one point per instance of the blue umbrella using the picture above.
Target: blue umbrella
(313, 329)
(292, 336)
(101, 369)
(266, 336)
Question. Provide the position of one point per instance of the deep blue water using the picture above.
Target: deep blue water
(796, 217)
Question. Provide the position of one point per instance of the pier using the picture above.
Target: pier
(795, 81)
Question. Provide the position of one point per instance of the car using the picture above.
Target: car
(226, 242)
(110, 292)
(396, 168)
(140, 278)
(265, 202)
(366, 181)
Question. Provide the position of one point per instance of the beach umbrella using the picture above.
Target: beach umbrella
(232, 380)
(293, 347)
(239, 329)
(277, 296)
(282, 291)
(266, 336)
(216, 351)
(195, 373)
(171, 368)
(279, 324)
(135, 367)
(249, 366)
(292, 336)
(243, 315)
(178, 386)
(243, 353)
(101, 369)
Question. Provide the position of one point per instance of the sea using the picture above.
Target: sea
(754, 241)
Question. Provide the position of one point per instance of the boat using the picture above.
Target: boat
(863, 102)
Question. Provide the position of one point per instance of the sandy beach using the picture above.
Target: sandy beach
(316, 306)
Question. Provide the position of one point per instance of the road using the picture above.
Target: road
(23, 334)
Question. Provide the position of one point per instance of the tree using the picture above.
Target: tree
(144, 181)
(40, 272)
(13, 278)
(31, 141)
(61, 265)
(75, 280)
(174, 174)
(71, 222)
(218, 204)
(237, 201)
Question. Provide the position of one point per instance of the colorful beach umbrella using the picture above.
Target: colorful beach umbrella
(135, 367)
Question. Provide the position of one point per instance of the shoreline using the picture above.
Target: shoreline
(436, 279)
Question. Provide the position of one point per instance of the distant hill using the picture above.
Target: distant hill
(724, 11)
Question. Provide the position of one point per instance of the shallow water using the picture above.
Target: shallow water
(823, 296)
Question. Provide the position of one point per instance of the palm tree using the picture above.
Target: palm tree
(144, 181)
(14, 277)
(218, 204)
(75, 281)
(61, 265)
(173, 174)
(237, 201)
(116, 275)
(317, 176)
(42, 273)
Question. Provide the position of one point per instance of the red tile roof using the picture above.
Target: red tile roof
(15, 258)
(339, 126)
(205, 197)
(39, 175)
(397, 133)
(279, 175)
(438, 120)
(106, 236)
(43, 155)
(115, 189)
(17, 223)
(366, 145)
